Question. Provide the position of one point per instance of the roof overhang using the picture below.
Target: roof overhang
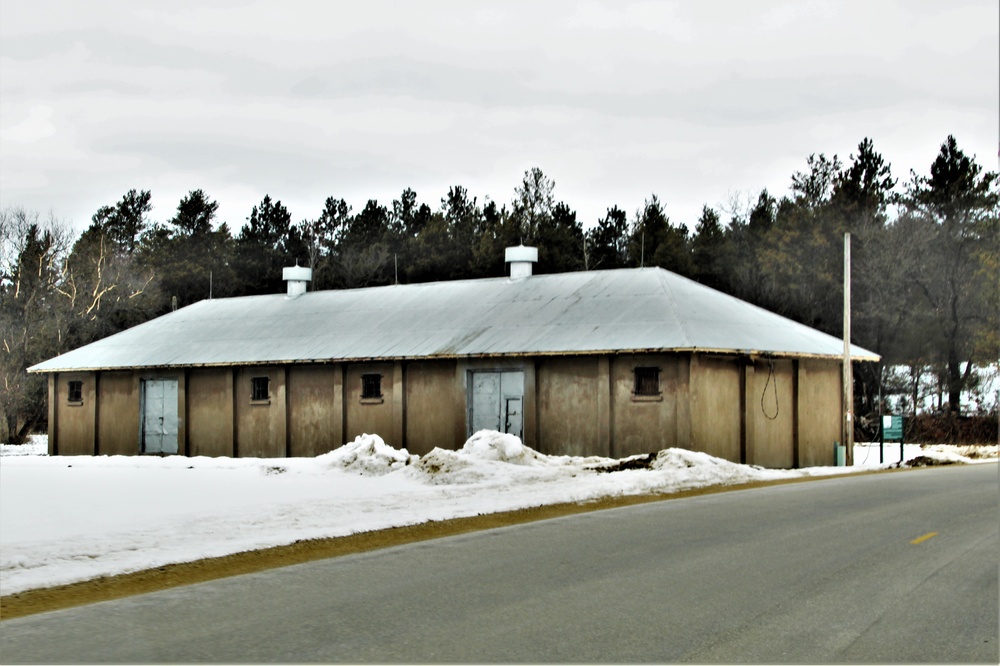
(744, 353)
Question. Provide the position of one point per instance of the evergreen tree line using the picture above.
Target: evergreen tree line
(925, 262)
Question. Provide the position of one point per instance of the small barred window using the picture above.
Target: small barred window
(260, 389)
(647, 381)
(75, 392)
(371, 386)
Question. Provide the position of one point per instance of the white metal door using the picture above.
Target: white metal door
(159, 416)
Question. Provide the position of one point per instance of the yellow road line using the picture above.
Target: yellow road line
(924, 538)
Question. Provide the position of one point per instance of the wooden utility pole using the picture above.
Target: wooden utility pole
(848, 380)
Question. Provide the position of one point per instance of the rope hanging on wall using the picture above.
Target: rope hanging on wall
(770, 379)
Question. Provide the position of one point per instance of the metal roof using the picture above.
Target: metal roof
(625, 310)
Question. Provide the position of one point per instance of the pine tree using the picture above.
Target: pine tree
(957, 206)
(192, 259)
(560, 241)
(607, 243)
(709, 250)
(262, 249)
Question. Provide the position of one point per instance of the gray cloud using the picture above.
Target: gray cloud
(613, 100)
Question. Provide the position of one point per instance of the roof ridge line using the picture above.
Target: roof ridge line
(664, 276)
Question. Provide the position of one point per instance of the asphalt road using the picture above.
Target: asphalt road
(885, 568)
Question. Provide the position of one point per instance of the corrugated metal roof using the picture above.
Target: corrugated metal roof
(642, 309)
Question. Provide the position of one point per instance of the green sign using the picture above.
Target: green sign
(892, 427)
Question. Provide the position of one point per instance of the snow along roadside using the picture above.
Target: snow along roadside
(69, 519)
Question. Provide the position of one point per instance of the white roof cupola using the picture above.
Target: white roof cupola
(520, 259)
(297, 277)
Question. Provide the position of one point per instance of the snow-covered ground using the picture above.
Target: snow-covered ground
(68, 519)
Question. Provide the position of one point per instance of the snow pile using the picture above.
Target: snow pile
(446, 467)
(493, 445)
(367, 455)
(693, 469)
(678, 459)
(488, 457)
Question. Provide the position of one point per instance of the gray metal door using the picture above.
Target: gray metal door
(159, 416)
(485, 401)
(496, 401)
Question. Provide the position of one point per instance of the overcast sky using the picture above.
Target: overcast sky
(693, 101)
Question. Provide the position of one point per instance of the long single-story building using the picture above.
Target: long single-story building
(610, 363)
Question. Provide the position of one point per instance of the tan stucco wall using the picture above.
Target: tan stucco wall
(260, 426)
(771, 414)
(210, 412)
(568, 406)
(76, 423)
(572, 406)
(641, 424)
(370, 416)
(819, 411)
(315, 409)
(715, 406)
(118, 414)
(435, 406)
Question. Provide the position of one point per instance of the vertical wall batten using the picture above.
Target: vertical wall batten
(183, 404)
(795, 413)
(234, 377)
(288, 411)
(53, 414)
(96, 413)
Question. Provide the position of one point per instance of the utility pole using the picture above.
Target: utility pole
(848, 380)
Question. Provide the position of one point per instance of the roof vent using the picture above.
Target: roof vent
(296, 276)
(520, 259)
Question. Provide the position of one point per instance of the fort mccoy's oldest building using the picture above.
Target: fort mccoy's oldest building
(609, 363)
